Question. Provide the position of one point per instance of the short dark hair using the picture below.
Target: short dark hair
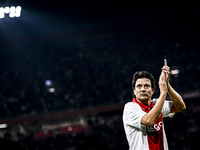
(143, 74)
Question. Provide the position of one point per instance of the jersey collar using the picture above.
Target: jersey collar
(144, 107)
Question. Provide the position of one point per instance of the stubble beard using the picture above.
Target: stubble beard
(144, 98)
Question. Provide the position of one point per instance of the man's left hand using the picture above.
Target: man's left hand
(166, 70)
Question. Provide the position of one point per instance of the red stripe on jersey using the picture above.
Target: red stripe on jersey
(155, 132)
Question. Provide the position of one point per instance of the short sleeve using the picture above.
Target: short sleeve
(166, 109)
(132, 115)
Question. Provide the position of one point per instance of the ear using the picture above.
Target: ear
(153, 91)
(133, 92)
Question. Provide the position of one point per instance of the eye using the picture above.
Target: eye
(147, 86)
(139, 86)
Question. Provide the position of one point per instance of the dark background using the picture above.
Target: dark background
(90, 50)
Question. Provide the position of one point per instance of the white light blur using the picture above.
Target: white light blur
(11, 11)
(175, 72)
(6, 10)
(2, 12)
(18, 11)
(48, 83)
(3, 126)
(51, 90)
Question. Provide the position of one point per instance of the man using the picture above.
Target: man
(143, 117)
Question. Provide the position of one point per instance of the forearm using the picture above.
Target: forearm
(151, 117)
(178, 103)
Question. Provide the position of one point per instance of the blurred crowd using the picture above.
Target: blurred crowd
(89, 73)
(107, 133)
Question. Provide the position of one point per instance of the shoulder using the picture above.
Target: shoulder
(154, 101)
(131, 107)
(166, 107)
(167, 103)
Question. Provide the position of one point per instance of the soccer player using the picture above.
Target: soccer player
(143, 117)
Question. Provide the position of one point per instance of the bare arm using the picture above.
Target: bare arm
(178, 103)
(151, 117)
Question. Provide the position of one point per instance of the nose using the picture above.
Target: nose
(142, 88)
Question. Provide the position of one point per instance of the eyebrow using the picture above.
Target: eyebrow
(145, 84)
(142, 84)
(148, 81)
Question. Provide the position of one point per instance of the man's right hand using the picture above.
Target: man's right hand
(163, 83)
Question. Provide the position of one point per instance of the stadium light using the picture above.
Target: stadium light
(3, 126)
(2, 12)
(11, 11)
(175, 72)
(6, 10)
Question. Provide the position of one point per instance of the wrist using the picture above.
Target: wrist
(163, 95)
(168, 86)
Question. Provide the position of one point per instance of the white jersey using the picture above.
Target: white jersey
(137, 133)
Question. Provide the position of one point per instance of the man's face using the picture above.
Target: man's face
(143, 90)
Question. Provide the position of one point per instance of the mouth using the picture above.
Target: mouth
(143, 94)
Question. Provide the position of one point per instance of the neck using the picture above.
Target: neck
(145, 102)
